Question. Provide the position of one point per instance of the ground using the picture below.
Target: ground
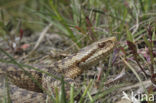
(35, 32)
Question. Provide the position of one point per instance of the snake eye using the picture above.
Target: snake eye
(101, 45)
(105, 44)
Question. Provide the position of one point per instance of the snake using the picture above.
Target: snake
(25, 89)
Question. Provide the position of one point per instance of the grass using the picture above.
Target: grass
(83, 22)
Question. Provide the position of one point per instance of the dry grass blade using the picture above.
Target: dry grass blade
(136, 74)
(42, 35)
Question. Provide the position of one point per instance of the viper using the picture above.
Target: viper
(26, 90)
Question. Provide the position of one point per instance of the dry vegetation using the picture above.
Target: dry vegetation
(43, 31)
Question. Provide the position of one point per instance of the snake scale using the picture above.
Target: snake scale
(26, 91)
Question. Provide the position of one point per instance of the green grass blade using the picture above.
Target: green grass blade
(72, 93)
(85, 92)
